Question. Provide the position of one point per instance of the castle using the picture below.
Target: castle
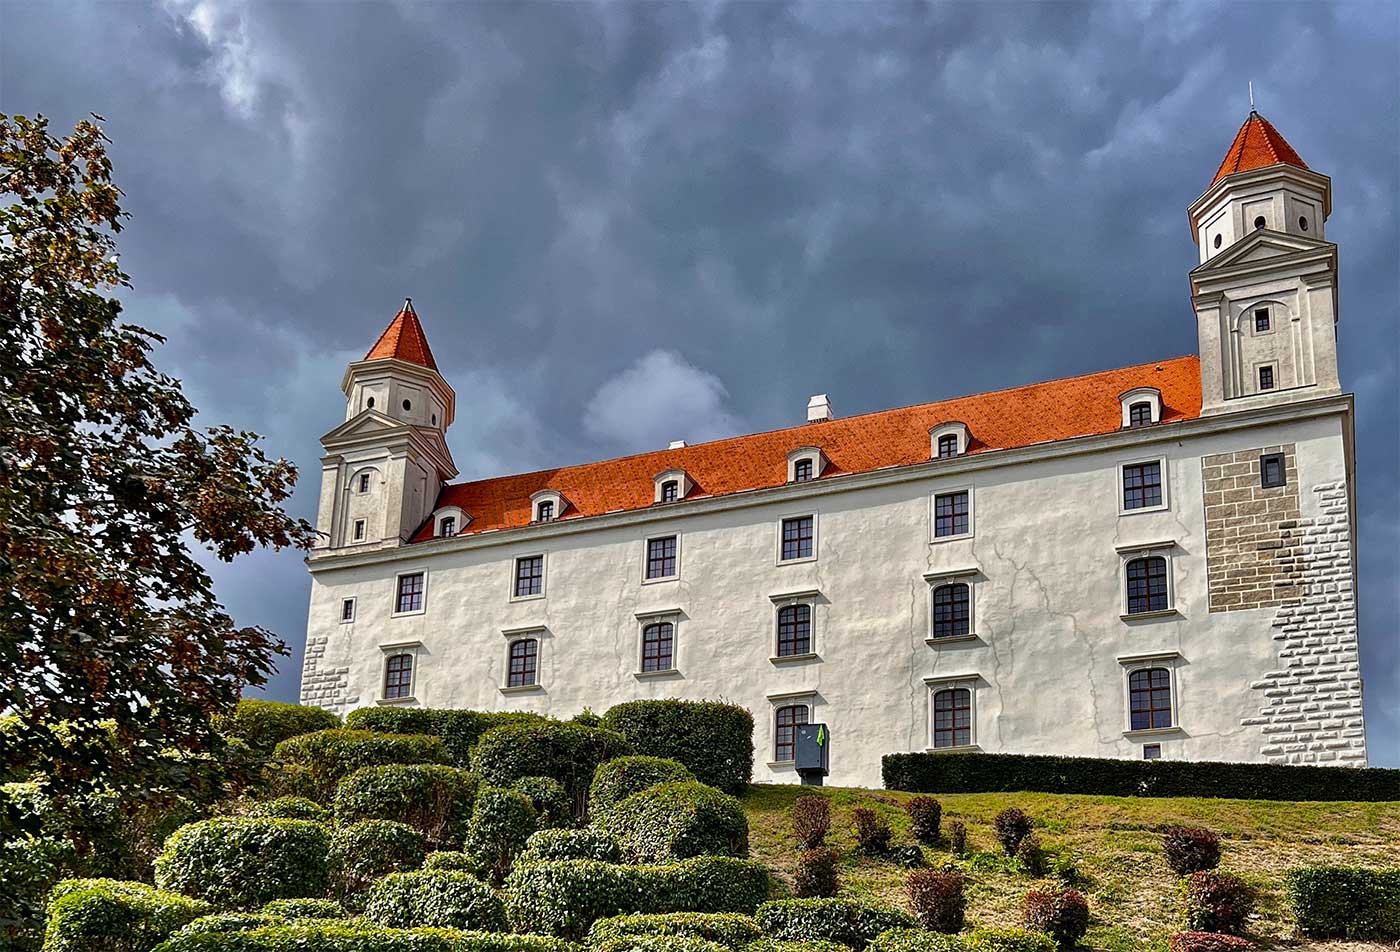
(1156, 561)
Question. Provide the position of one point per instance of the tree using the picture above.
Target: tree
(114, 650)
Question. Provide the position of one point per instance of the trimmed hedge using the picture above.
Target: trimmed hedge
(451, 859)
(728, 929)
(107, 915)
(568, 753)
(978, 940)
(1215, 902)
(262, 725)
(245, 862)
(777, 945)
(553, 807)
(996, 773)
(459, 730)
(359, 937)
(446, 898)
(434, 799)
(363, 852)
(1346, 902)
(621, 777)
(677, 821)
(565, 897)
(290, 808)
(1009, 940)
(587, 843)
(316, 763)
(305, 909)
(1207, 942)
(916, 940)
(713, 740)
(232, 922)
(502, 822)
(851, 923)
(658, 943)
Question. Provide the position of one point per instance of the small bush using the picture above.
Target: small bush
(916, 940)
(728, 929)
(767, 944)
(458, 729)
(451, 859)
(677, 821)
(1031, 857)
(1062, 914)
(1009, 940)
(1215, 902)
(501, 823)
(357, 936)
(553, 808)
(816, 876)
(305, 909)
(290, 808)
(846, 921)
(451, 900)
(435, 799)
(569, 753)
(262, 725)
(714, 740)
(811, 821)
(1341, 901)
(363, 852)
(1011, 826)
(910, 855)
(231, 922)
(1207, 942)
(957, 837)
(317, 762)
(107, 915)
(925, 818)
(658, 943)
(936, 896)
(621, 777)
(872, 831)
(587, 843)
(245, 862)
(1191, 849)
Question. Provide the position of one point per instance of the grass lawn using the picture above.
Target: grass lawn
(1116, 847)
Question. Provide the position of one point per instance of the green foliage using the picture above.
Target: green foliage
(318, 761)
(1062, 914)
(729, 929)
(621, 777)
(585, 843)
(231, 922)
(767, 944)
(657, 943)
(433, 798)
(816, 876)
(990, 773)
(569, 753)
(362, 852)
(551, 801)
(713, 740)
(1215, 902)
(459, 730)
(262, 725)
(936, 896)
(501, 823)
(916, 940)
(305, 909)
(811, 821)
(245, 862)
(445, 898)
(29, 867)
(1207, 942)
(356, 936)
(451, 859)
(290, 808)
(677, 821)
(846, 921)
(106, 915)
(565, 897)
(1009, 940)
(1346, 902)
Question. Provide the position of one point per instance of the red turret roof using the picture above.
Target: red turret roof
(1258, 145)
(404, 339)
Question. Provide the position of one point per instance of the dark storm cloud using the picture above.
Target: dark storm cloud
(744, 203)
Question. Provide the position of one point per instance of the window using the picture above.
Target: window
(786, 720)
(1140, 414)
(347, 609)
(661, 557)
(951, 615)
(447, 526)
(364, 482)
(544, 512)
(802, 471)
(952, 718)
(524, 663)
(1151, 751)
(410, 594)
(1218, 239)
(1150, 699)
(1266, 378)
(670, 490)
(407, 406)
(1272, 473)
(948, 446)
(658, 646)
(1142, 485)
(950, 514)
(529, 576)
(1261, 320)
(398, 676)
(359, 530)
(1259, 222)
(370, 403)
(794, 630)
(797, 538)
(1147, 584)
(1302, 223)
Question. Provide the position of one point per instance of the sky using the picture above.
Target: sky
(628, 223)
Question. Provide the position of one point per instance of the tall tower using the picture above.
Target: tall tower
(385, 464)
(1265, 292)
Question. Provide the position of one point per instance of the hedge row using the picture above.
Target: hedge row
(618, 779)
(729, 929)
(713, 740)
(997, 773)
(434, 799)
(106, 914)
(458, 729)
(1346, 902)
(244, 862)
(978, 940)
(844, 921)
(262, 725)
(354, 937)
(677, 821)
(314, 764)
(566, 752)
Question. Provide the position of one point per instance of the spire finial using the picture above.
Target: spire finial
(1251, 95)
(408, 305)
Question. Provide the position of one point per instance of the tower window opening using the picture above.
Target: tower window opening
(1261, 319)
(370, 403)
(407, 406)
(1218, 240)
(1303, 222)
(1266, 378)
(1259, 222)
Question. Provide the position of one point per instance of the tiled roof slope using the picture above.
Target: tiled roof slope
(404, 339)
(1256, 146)
(1039, 413)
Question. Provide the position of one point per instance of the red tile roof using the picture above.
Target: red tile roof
(1039, 413)
(404, 339)
(1257, 145)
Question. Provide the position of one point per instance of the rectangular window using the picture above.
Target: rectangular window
(410, 595)
(802, 471)
(529, 576)
(1272, 473)
(1147, 584)
(359, 530)
(670, 490)
(1142, 485)
(1266, 378)
(1150, 699)
(347, 609)
(524, 663)
(661, 557)
(448, 526)
(364, 482)
(1151, 751)
(1261, 320)
(952, 718)
(950, 514)
(948, 446)
(1140, 414)
(545, 511)
(797, 538)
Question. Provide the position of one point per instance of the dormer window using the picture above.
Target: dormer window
(1142, 406)
(447, 526)
(1140, 414)
(802, 471)
(544, 511)
(547, 505)
(805, 464)
(448, 521)
(948, 440)
(670, 490)
(947, 446)
(672, 486)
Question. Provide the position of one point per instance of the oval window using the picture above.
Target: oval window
(1218, 239)
(1259, 222)
(434, 419)
(370, 403)
(407, 406)
(1303, 222)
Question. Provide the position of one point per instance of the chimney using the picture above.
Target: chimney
(676, 445)
(818, 409)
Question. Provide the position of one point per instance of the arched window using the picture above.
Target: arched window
(952, 718)
(794, 630)
(948, 446)
(447, 526)
(1150, 698)
(524, 658)
(786, 721)
(544, 512)
(951, 617)
(670, 490)
(802, 471)
(658, 643)
(1147, 584)
(1140, 414)
(398, 676)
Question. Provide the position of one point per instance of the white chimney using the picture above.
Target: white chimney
(818, 409)
(677, 445)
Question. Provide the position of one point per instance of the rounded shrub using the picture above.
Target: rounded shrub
(553, 808)
(937, 898)
(677, 821)
(1191, 849)
(925, 818)
(1031, 856)
(768, 944)
(585, 843)
(221, 922)
(1011, 826)
(713, 740)
(434, 799)
(816, 876)
(729, 929)
(811, 821)
(305, 909)
(362, 852)
(359, 936)
(846, 921)
(1009, 940)
(872, 831)
(458, 729)
(262, 725)
(657, 943)
(916, 940)
(957, 837)
(1207, 942)
(245, 862)
(501, 823)
(451, 859)
(1062, 914)
(444, 898)
(1345, 901)
(317, 762)
(621, 777)
(290, 808)
(569, 753)
(107, 915)
(1215, 902)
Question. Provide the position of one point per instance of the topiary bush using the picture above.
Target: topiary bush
(1031, 857)
(957, 837)
(1062, 914)
(621, 777)
(231, 922)
(1215, 902)
(1191, 849)
(290, 808)
(315, 763)
(768, 944)
(658, 943)
(937, 898)
(925, 818)
(458, 729)
(916, 940)
(677, 821)
(501, 823)
(435, 799)
(851, 923)
(553, 807)
(872, 831)
(714, 740)
(1009, 940)
(362, 852)
(1207, 942)
(262, 725)
(359, 936)
(1342, 901)
(245, 862)
(1012, 826)
(811, 821)
(728, 929)
(569, 753)
(816, 876)
(586, 843)
(305, 909)
(445, 898)
(107, 915)
(452, 859)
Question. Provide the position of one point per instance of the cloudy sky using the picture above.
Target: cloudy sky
(625, 223)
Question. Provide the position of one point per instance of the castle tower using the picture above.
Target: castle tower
(1265, 292)
(385, 464)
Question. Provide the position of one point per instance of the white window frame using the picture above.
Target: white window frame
(952, 682)
(1131, 551)
(359, 531)
(951, 428)
(1165, 474)
(547, 495)
(812, 453)
(1272, 307)
(1149, 395)
(646, 549)
(544, 576)
(935, 580)
(535, 633)
(684, 485)
(450, 512)
(394, 593)
(1139, 662)
(366, 476)
(807, 699)
(672, 615)
(816, 538)
(1273, 367)
(387, 651)
(933, 537)
(353, 608)
(809, 597)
